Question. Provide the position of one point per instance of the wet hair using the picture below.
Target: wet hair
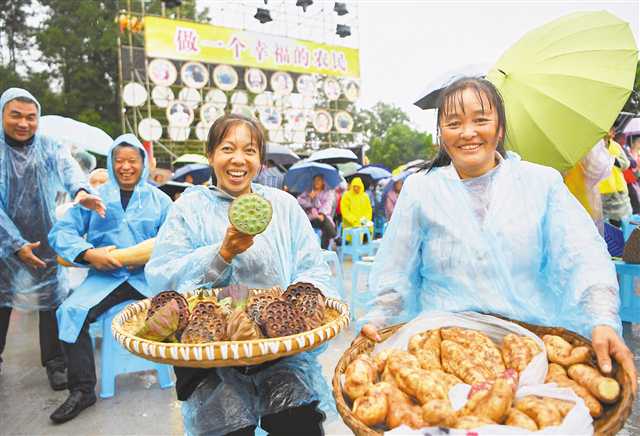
(221, 127)
(451, 97)
(122, 145)
(22, 99)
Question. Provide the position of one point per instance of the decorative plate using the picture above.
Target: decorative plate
(322, 121)
(179, 114)
(343, 122)
(266, 99)
(225, 77)
(255, 80)
(239, 97)
(216, 97)
(271, 118)
(202, 130)
(150, 129)
(281, 83)
(162, 96)
(194, 75)
(331, 88)
(243, 109)
(276, 135)
(351, 90)
(296, 119)
(306, 84)
(134, 94)
(162, 72)
(191, 97)
(209, 112)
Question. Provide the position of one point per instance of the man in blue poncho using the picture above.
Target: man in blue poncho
(33, 169)
(135, 212)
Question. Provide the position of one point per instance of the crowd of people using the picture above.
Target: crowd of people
(466, 232)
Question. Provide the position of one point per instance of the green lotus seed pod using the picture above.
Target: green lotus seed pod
(250, 214)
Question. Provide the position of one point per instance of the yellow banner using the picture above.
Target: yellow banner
(184, 40)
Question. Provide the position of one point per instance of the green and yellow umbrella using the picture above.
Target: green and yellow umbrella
(564, 84)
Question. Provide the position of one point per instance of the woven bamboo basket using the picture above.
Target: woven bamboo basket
(226, 353)
(611, 421)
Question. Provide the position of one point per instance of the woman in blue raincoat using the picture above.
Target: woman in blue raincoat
(482, 230)
(135, 210)
(33, 170)
(198, 247)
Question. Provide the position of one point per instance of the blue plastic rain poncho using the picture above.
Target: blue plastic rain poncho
(186, 256)
(30, 178)
(535, 256)
(145, 213)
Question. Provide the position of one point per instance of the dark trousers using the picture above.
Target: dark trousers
(81, 367)
(633, 198)
(328, 231)
(303, 420)
(50, 347)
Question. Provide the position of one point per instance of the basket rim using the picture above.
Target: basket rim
(606, 425)
(137, 307)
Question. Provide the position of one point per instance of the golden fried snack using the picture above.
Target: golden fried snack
(371, 409)
(459, 361)
(544, 414)
(496, 405)
(516, 418)
(438, 412)
(603, 388)
(359, 375)
(470, 422)
(401, 359)
(380, 359)
(562, 352)
(426, 347)
(483, 350)
(558, 375)
(407, 414)
(425, 385)
(518, 351)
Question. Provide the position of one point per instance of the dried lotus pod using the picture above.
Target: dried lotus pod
(280, 318)
(163, 298)
(242, 328)
(258, 301)
(207, 324)
(250, 213)
(308, 300)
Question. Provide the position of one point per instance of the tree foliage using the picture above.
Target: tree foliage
(391, 139)
(16, 31)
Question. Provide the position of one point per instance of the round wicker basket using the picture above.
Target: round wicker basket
(225, 353)
(611, 421)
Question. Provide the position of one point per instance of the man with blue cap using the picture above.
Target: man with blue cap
(135, 212)
(33, 169)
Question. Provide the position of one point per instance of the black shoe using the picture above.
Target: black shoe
(76, 403)
(57, 378)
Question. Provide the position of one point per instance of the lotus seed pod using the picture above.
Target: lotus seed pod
(250, 214)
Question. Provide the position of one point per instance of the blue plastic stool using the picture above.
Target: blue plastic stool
(116, 360)
(359, 267)
(629, 301)
(332, 258)
(356, 248)
(628, 224)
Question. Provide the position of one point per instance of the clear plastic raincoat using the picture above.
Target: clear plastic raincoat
(30, 178)
(186, 256)
(536, 256)
(145, 213)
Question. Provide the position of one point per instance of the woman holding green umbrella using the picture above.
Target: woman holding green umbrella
(480, 229)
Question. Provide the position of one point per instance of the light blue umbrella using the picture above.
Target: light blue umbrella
(300, 176)
(333, 155)
(429, 97)
(373, 172)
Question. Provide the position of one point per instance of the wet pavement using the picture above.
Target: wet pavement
(139, 407)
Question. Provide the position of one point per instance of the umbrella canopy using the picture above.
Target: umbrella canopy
(349, 168)
(429, 99)
(200, 173)
(281, 155)
(300, 176)
(333, 155)
(171, 188)
(400, 176)
(191, 158)
(633, 128)
(563, 85)
(74, 134)
(401, 168)
(373, 172)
